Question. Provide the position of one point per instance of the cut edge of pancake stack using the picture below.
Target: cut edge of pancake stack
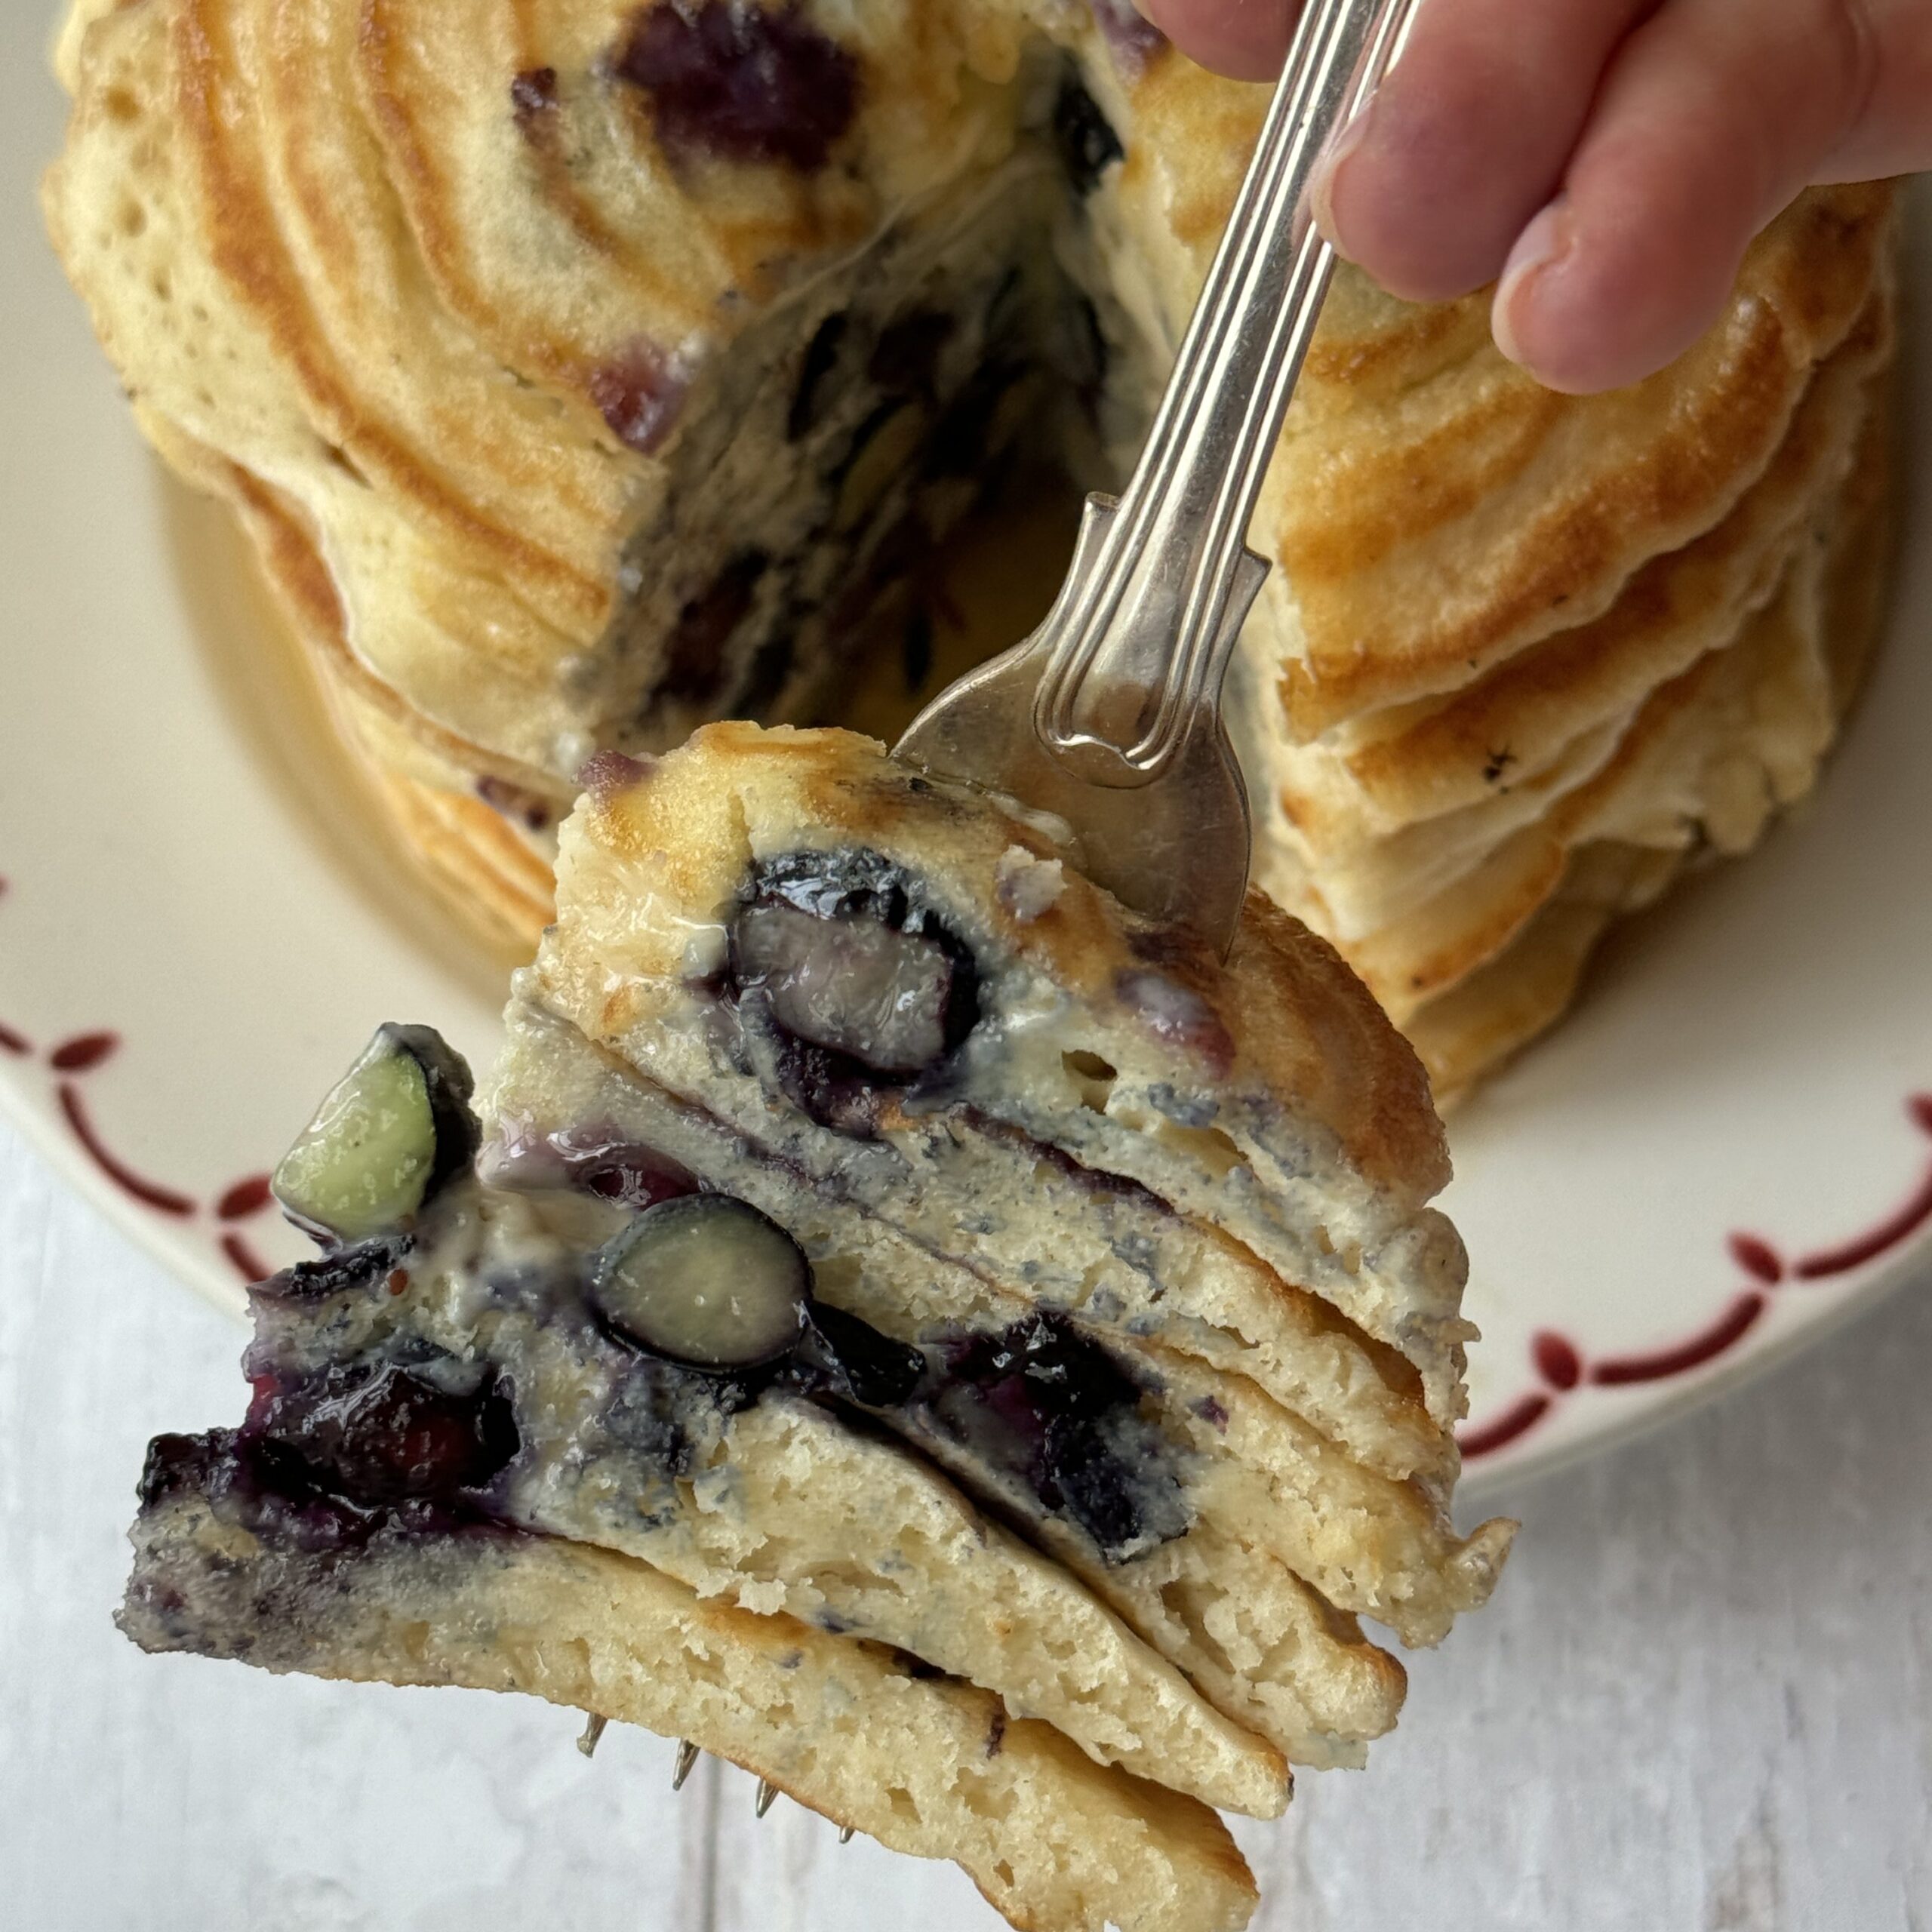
(1526, 657)
(1155, 1230)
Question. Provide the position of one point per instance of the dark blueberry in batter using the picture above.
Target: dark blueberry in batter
(375, 1434)
(864, 1367)
(860, 987)
(960, 443)
(1088, 144)
(624, 1171)
(364, 1268)
(606, 773)
(1133, 39)
(821, 358)
(530, 809)
(181, 1465)
(638, 393)
(1179, 1015)
(265, 1489)
(904, 360)
(1042, 1404)
(533, 95)
(695, 664)
(729, 79)
(901, 554)
(241, 1489)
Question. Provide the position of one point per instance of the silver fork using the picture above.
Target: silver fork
(1110, 714)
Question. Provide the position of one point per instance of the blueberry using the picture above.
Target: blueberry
(865, 986)
(1042, 1404)
(706, 1281)
(625, 1172)
(731, 80)
(378, 1434)
(865, 1367)
(362, 1269)
(1133, 39)
(694, 658)
(530, 809)
(1088, 144)
(639, 392)
(904, 360)
(533, 95)
(390, 1135)
(821, 358)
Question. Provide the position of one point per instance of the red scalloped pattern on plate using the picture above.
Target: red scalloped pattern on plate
(70, 1060)
(1561, 1367)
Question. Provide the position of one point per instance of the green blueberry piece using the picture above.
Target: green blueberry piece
(363, 1165)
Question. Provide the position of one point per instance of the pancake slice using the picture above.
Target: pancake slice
(1718, 754)
(927, 1765)
(1423, 911)
(737, 1283)
(1267, 1099)
(1271, 1514)
(883, 1011)
(1112, 1258)
(486, 1350)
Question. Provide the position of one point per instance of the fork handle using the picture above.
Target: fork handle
(1145, 629)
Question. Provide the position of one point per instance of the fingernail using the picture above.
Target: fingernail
(1543, 244)
(1322, 191)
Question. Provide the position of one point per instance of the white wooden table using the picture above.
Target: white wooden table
(1701, 1702)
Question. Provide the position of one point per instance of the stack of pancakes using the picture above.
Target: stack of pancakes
(584, 369)
(902, 1321)
(1545, 651)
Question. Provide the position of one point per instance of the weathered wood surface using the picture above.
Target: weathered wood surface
(1703, 1702)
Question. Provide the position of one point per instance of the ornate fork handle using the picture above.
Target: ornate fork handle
(1141, 637)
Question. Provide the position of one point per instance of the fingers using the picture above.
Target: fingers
(1712, 117)
(1467, 138)
(1246, 38)
(1893, 135)
(1611, 160)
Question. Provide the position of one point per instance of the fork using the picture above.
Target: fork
(1109, 715)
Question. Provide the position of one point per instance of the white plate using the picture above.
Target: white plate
(1724, 1152)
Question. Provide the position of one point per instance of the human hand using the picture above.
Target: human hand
(1607, 162)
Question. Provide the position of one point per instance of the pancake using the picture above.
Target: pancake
(927, 1766)
(1719, 753)
(569, 409)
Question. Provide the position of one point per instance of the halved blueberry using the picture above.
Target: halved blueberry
(390, 1133)
(857, 987)
(705, 1281)
(836, 950)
